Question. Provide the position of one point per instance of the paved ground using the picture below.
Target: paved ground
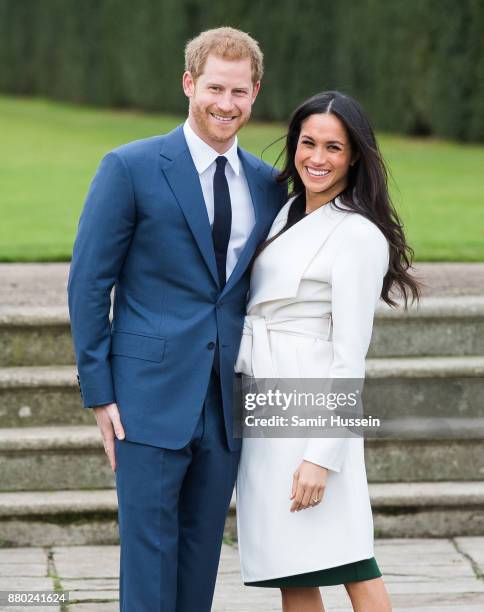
(422, 575)
(45, 284)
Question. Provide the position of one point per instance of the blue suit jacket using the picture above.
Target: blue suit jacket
(145, 230)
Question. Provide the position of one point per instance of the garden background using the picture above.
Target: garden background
(79, 78)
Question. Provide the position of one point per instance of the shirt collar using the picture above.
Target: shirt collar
(204, 156)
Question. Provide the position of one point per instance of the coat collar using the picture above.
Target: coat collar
(291, 252)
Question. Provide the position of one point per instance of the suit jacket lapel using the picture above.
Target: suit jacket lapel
(182, 176)
(258, 192)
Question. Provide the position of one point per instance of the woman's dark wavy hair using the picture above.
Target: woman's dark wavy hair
(367, 190)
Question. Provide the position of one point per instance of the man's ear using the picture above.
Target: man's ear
(188, 83)
(255, 91)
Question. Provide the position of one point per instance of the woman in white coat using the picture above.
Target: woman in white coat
(336, 247)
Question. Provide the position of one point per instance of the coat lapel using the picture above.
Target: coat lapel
(258, 192)
(182, 176)
(278, 270)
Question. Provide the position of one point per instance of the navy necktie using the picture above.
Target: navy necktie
(222, 218)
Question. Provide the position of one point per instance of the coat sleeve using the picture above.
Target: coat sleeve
(104, 234)
(359, 266)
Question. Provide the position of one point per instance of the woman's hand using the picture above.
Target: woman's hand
(308, 484)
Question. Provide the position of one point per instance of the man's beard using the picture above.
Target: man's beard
(202, 120)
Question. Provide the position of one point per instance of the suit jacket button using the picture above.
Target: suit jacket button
(211, 345)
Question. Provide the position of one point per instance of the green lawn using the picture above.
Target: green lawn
(49, 152)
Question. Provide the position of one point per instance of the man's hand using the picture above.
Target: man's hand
(308, 484)
(109, 422)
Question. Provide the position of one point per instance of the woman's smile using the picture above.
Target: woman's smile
(315, 173)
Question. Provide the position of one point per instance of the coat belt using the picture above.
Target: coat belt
(255, 355)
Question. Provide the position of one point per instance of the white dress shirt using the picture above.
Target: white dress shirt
(243, 216)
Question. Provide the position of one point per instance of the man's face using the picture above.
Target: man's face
(220, 100)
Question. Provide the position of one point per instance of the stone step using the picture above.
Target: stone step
(53, 458)
(45, 395)
(444, 450)
(62, 458)
(424, 386)
(434, 387)
(56, 518)
(426, 367)
(35, 336)
(439, 326)
(426, 509)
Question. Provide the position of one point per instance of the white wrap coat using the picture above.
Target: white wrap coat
(312, 299)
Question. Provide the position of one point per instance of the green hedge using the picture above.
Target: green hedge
(417, 66)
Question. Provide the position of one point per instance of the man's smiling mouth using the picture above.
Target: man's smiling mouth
(221, 118)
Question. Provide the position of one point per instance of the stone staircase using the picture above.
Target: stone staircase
(425, 367)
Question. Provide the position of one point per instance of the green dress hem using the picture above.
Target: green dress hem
(367, 569)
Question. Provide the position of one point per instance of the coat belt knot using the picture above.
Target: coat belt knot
(255, 355)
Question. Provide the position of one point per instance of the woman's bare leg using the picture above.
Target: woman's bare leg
(369, 596)
(299, 599)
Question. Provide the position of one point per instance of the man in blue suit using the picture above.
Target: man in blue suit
(172, 222)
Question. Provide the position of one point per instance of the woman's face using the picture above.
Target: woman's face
(323, 157)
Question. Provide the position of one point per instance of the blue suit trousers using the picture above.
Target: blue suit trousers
(172, 510)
